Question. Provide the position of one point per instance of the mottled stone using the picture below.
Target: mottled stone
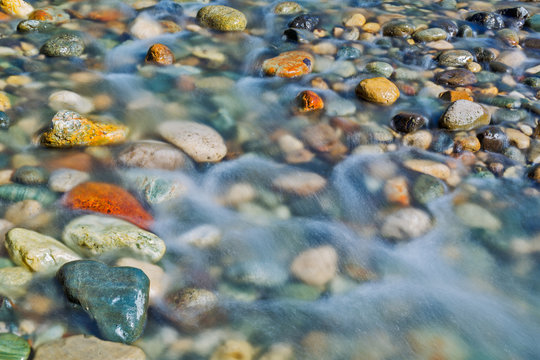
(200, 142)
(191, 309)
(397, 28)
(316, 266)
(69, 100)
(159, 54)
(30, 175)
(487, 19)
(93, 235)
(455, 77)
(37, 252)
(14, 281)
(107, 199)
(222, 18)
(455, 95)
(71, 129)
(305, 21)
(116, 297)
(300, 183)
(18, 192)
(63, 180)
(13, 347)
(378, 90)
(464, 115)
(427, 188)
(308, 101)
(287, 8)
(432, 34)
(148, 154)
(63, 45)
(17, 8)
(455, 58)
(406, 224)
(289, 64)
(381, 68)
(84, 347)
(428, 167)
(493, 139)
(408, 122)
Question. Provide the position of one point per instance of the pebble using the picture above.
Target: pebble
(308, 101)
(18, 192)
(493, 139)
(200, 142)
(432, 34)
(192, 309)
(37, 252)
(156, 188)
(13, 347)
(512, 58)
(464, 115)
(29, 26)
(264, 274)
(487, 19)
(428, 167)
(149, 154)
(30, 175)
(17, 8)
(397, 28)
(456, 77)
(71, 129)
(159, 281)
(27, 213)
(455, 95)
(427, 188)
(63, 45)
(14, 282)
(70, 100)
(316, 266)
(145, 27)
(159, 54)
(287, 8)
(300, 183)
(222, 18)
(305, 21)
(380, 68)
(378, 90)
(84, 347)
(289, 64)
(5, 121)
(396, 191)
(115, 297)
(107, 199)
(476, 216)
(419, 139)
(408, 122)
(63, 180)
(357, 19)
(206, 235)
(93, 235)
(517, 138)
(405, 224)
(455, 58)
(234, 350)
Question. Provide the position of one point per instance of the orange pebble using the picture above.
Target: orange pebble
(107, 199)
(455, 95)
(41, 15)
(289, 64)
(159, 54)
(309, 101)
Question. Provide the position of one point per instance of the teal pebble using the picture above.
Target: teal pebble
(19, 192)
(380, 68)
(13, 347)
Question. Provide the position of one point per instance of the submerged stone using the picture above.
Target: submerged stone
(107, 199)
(287, 8)
(380, 68)
(5, 121)
(13, 347)
(378, 90)
(456, 77)
(159, 54)
(19, 8)
(289, 64)
(455, 58)
(222, 18)
(464, 115)
(63, 45)
(115, 297)
(488, 20)
(30, 175)
(19, 192)
(71, 129)
(432, 34)
(305, 21)
(408, 122)
(93, 235)
(192, 309)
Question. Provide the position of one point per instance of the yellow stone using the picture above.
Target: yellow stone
(18, 8)
(5, 103)
(378, 90)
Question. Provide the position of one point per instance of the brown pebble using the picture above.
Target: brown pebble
(309, 101)
(159, 54)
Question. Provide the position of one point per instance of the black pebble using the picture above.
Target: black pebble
(493, 139)
(306, 21)
(5, 121)
(488, 20)
(408, 122)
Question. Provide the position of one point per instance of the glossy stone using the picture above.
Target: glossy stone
(378, 90)
(63, 45)
(13, 347)
(289, 64)
(159, 54)
(455, 58)
(493, 139)
(305, 21)
(408, 122)
(93, 235)
(222, 18)
(464, 115)
(5, 121)
(115, 297)
(488, 20)
(309, 101)
(19, 8)
(432, 34)
(19, 192)
(455, 77)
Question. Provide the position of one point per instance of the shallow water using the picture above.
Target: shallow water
(466, 288)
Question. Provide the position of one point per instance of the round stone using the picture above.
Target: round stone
(488, 20)
(159, 54)
(27, 26)
(408, 122)
(69, 100)
(191, 309)
(455, 58)
(306, 21)
(432, 34)
(222, 18)
(464, 115)
(287, 8)
(493, 139)
(378, 90)
(148, 154)
(405, 224)
(63, 45)
(30, 175)
(13, 347)
(63, 180)
(316, 266)
(309, 101)
(397, 28)
(380, 68)
(289, 64)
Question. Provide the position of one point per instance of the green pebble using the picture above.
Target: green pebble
(63, 45)
(13, 347)
(427, 188)
(534, 22)
(432, 34)
(380, 68)
(222, 18)
(27, 26)
(397, 29)
(532, 82)
(30, 175)
(287, 8)
(299, 291)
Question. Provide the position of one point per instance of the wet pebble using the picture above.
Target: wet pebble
(455, 58)
(397, 28)
(289, 64)
(18, 8)
(86, 348)
(5, 121)
(37, 252)
(378, 90)
(63, 45)
(13, 347)
(408, 122)
(28, 26)
(316, 266)
(222, 18)
(493, 139)
(299, 183)
(115, 297)
(448, 25)
(19, 192)
(63, 180)
(70, 100)
(475, 216)
(406, 224)
(308, 101)
(427, 188)
(456, 77)
(305, 21)
(93, 235)
(149, 154)
(30, 175)
(159, 54)
(200, 142)
(234, 350)
(381, 68)
(191, 309)
(487, 20)
(428, 167)
(432, 34)
(464, 115)
(287, 8)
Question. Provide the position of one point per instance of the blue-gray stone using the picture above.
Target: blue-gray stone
(19, 192)
(116, 297)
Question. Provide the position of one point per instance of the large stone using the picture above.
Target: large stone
(289, 64)
(71, 129)
(378, 90)
(200, 142)
(63, 45)
(83, 347)
(17, 8)
(222, 18)
(37, 252)
(93, 235)
(464, 115)
(150, 154)
(13, 347)
(116, 297)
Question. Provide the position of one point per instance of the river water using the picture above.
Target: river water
(463, 286)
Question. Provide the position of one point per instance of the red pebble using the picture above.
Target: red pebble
(107, 199)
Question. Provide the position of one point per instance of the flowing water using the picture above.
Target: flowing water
(465, 288)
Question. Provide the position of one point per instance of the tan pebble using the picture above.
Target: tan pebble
(526, 129)
(428, 167)
(355, 20)
(440, 45)
(517, 138)
(239, 193)
(319, 83)
(22, 211)
(288, 143)
(5, 176)
(316, 266)
(396, 191)
(102, 102)
(301, 183)
(371, 27)
(5, 103)
(378, 90)
(366, 36)
(325, 48)
(420, 139)
(158, 279)
(337, 31)
(22, 159)
(234, 350)
(280, 351)
(467, 143)
(18, 80)
(474, 67)
(144, 27)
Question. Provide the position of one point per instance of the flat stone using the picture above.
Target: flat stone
(13, 347)
(301, 183)
(456, 77)
(116, 297)
(431, 34)
(84, 347)
(63, 45)
(93, 235)
(405, 224)
(316, 266)
(287, 8)
(63, 180)
(512, 58)
(428, 167)
(257, 273)
(380, 68)
(71, 129)
(191, 309)
(455, 58)
(464, 115)
(150, 154)
(222, 18)
(19, 192)
(378, 90)
(200, 142)
(37, 252)
(289, 64)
